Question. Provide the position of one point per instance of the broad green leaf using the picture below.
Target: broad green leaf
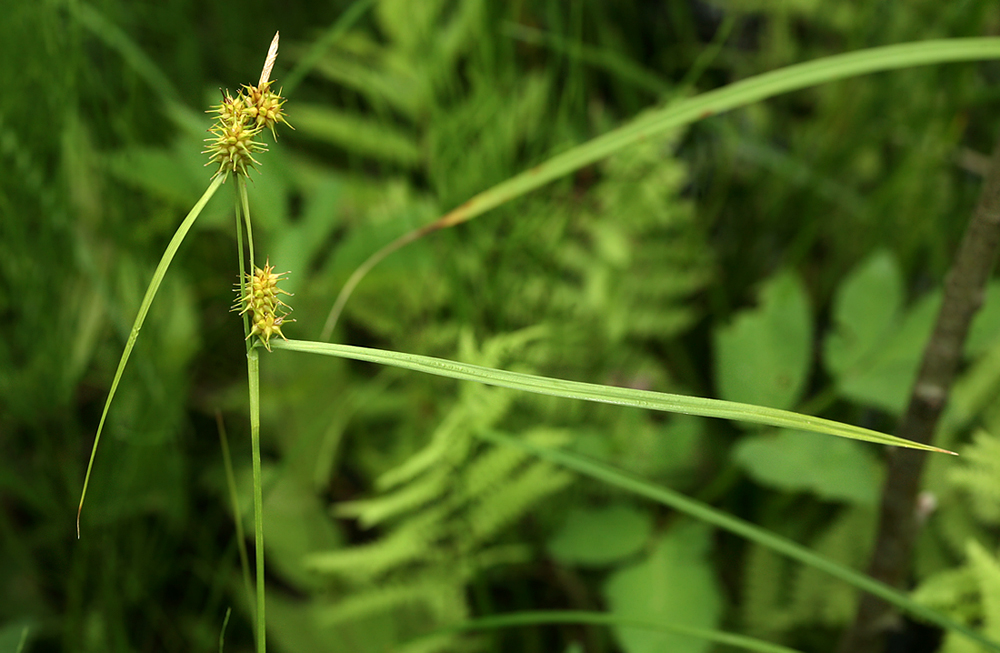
(865, 309)
(763, 356)
(675, 584)
(599, 393)
(834, 470)
(601, 536)
(886, 380)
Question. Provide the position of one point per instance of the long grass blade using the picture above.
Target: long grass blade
(147, 301)
(678, 114)
(234, 499)
(601, 393)
(546, 617)
(707, 514)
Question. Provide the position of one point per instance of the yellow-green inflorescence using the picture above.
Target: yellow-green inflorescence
(241, 120)
(267, 311)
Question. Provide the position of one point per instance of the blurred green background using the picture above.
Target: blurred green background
(801, 239)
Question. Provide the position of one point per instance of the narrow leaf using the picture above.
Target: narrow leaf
(601, 393)
(147, 301)
(710, 515)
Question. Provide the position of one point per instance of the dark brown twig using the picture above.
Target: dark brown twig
(964, 289)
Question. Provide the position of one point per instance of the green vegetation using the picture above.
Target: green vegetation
(643, 227)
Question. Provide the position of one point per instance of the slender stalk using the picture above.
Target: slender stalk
(227, 463)
(243, 271)
(253, 373)
(241, 184)
(253, 377)
(964, 290)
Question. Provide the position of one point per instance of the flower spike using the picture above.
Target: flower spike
(241, 119)
(267, 311)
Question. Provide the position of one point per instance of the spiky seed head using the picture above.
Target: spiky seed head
(264, 107)
(232, 147)
(241, 119)
(267, 311)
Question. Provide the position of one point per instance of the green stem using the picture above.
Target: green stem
(253, 373)
(241, 547)
(243, 272)
(241, 184)
(147, 301)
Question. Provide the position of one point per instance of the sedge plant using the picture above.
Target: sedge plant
(236, 140)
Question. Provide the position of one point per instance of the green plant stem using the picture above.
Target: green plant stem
(147, 301)
(253, 374)
(241, 184)
(707, 514)
(243, 273)
(241, 547)
(675, 115)
(964, 290)
(253, 377)
(546, 617)
(222, 632)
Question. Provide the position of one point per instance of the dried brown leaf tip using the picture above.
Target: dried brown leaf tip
(267, 312)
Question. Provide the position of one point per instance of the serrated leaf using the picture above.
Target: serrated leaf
(675, 584)
(834, 470)
(762, 357)
(601, 536)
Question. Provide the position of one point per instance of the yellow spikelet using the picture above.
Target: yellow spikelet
(267, 311)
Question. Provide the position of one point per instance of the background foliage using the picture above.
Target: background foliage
(787, 254)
